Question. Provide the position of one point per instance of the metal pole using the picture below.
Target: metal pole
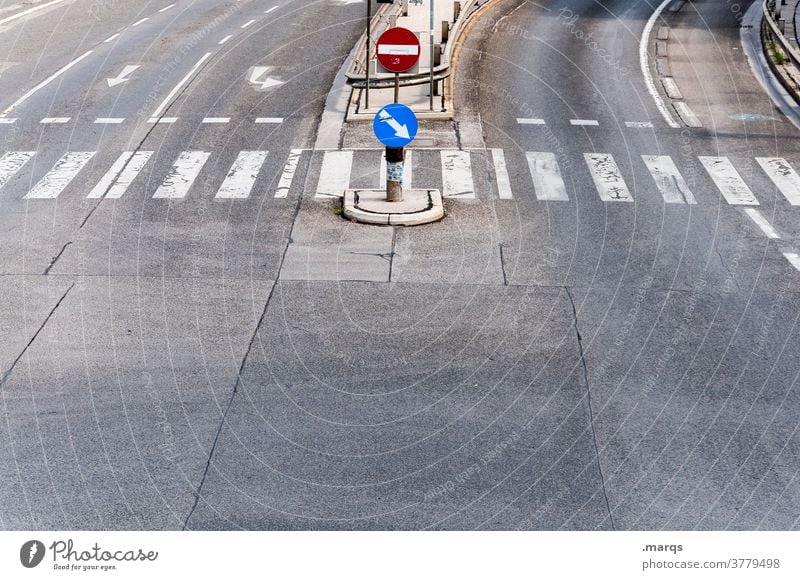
(396, 87)
(394, 173)
(369, 21)
(431, 51)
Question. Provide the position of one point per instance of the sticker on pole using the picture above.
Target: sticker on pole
(395, 125)
(398, 49)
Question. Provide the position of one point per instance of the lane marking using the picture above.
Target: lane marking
(117, 179)
(762, 223)
(162, 120)
(12, 162)
(138, 22)
(285, 184)
(501, 174)
(216, 120)
(226, 39)
(182, 175)
(783, 176)
(242, 176)
(584, 123)
(44, 83)
(408, 169)
(530, 121)
(28, 11)
(112, 37)
(668, 179)
(639, 124)
(7, 121)
(55, 120)
(109, 120)
(728, 180)
(248, 23)
(271, 9)
(60, 176)
(687, 114)
(548, 184)
(123, 76)
(165, 8)
(648, 78)
(183, 81)
(793, 257)
(607, 177)
(457, 175)
(382, 172)
(334, 176)
(269, 120)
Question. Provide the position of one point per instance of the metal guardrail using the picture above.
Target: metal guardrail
(777, 34)
(356, 74)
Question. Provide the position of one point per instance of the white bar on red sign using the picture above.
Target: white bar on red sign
(411, 49)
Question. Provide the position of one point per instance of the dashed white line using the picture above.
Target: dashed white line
(226, 39)
(248, 23)
(163, 120)
(44, 83)
(142, 21)
(12, 162)
(501, 173)
(793, 257)
(165, 8)
(109, 120)
(216, 120)
(584, 123)
(269, 120)
(639, 124)
(242, 176)
(28, 11)
(62, 173)
(112, 37)
(530, 121)
(182, 82)
(183, 173)
(271, 9)
(762, 223)
(55, 120)
(285, 184)
(7, 120)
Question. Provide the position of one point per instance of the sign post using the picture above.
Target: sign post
(395, 127)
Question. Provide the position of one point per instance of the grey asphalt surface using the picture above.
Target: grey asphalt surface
(262, 364)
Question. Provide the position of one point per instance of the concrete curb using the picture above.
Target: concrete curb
(430, 200)
(781, 72)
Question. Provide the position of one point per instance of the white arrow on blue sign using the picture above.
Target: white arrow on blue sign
(395, 125)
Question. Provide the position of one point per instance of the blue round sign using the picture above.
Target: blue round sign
(395, 125)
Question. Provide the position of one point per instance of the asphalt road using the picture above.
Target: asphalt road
(175, 358)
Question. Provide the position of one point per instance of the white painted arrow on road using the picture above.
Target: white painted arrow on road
(123, 76)
(399, 130)
(259, 77)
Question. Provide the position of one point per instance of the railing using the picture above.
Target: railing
(777, 34)
(356, 74)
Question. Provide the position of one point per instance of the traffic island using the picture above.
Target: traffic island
(369, 206)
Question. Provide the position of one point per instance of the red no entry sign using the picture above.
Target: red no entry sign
(398, 49)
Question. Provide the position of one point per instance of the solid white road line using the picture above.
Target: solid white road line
(783, 176)
(248, 23)
(668, 179)
(226, 39)
(643, 64)
(57, 179)
(143, 20)
(457, 175)
(264, 120)
(607, 177)
(639, 124)
(242, 177)
(793, 257)
(55, 120)
(112, 37)
(18, 15)
(12, 162)
(530, 121)
(334, 177)
(209, 120)
(732, 186)
(163, 120)
(548, 185)
(183, 81)
(109, 120)
(762, 223)
(117, 179)
(584, 123)
(285, 184)
(183, 173)
(44, 83)
(501, 174)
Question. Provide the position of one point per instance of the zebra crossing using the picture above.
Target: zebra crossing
(336, 171)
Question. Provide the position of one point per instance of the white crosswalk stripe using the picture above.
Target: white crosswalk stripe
(668, 179)
(287, 177)
(182, 175)
(728, 180)
(457, 175)
(12, 162)
(501, 173)
(607, 177)
(60, 176)
(783, 176)
(548, 185)
(117, 179)
(334, 177)
(242, 176)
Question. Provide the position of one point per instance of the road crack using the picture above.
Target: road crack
(589, 400)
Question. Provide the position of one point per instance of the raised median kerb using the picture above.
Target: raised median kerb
(369, 206)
